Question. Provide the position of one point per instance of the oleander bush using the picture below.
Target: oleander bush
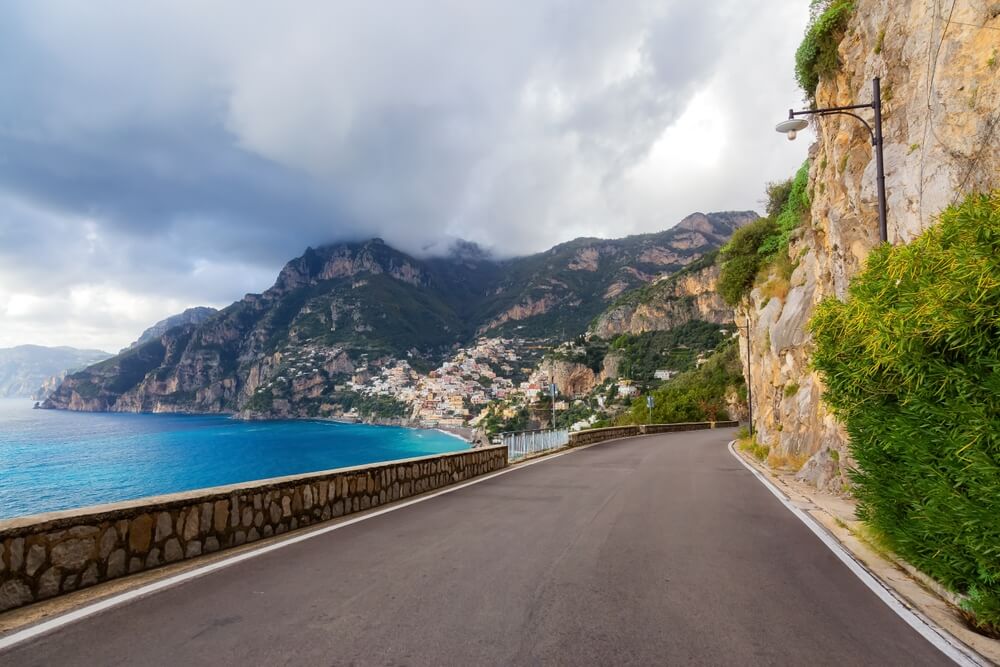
(911, 364)
(817, 54)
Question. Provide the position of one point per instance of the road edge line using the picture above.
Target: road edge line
(44, 627)
(940, 638)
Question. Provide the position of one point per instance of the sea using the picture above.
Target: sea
(55, 460)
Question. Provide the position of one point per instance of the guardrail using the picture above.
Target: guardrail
(590, 436)
(520, 444)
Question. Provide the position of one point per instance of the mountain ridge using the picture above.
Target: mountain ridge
(360, 303)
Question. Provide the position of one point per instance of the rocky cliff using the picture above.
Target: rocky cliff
(353, 306)
(667, 303)
(938, 62)
(195, 315)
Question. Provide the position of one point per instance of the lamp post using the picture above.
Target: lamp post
(794, 123)
(746, 327)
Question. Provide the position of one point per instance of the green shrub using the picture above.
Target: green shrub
(794, 211)
(791, 389)
(817, 54)
(912, 366)
(741, 260)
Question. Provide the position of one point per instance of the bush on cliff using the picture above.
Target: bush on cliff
(817, 54)
(912, 367)
(741, 260)
(757, 246)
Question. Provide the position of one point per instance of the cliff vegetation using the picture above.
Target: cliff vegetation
(911, 363)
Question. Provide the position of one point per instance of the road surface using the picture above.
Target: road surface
(661, 550)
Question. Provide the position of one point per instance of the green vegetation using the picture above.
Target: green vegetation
(373, 407)
(791, 389)
(697, 395)
(817, 56)
(794, 210)
(756, 449)
(741, 261)
(912, 367)
(675, 349)
(756, 247)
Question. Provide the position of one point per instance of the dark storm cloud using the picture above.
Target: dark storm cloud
(179, 152)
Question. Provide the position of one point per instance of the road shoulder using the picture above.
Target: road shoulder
(924, 596)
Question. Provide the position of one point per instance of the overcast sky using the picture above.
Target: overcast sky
(161, 154)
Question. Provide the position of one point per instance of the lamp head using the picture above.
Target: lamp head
(791, 127)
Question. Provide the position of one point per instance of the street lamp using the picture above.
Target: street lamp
(793, 125)
(746, 327)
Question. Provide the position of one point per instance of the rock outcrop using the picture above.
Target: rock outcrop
(941, 107)
(195, 315)
(666, 304)
(571, 378)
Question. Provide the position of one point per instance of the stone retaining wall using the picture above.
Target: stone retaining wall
(593, 435)
(44, 555)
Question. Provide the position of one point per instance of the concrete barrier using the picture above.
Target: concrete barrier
(48, 554)
(590, 436)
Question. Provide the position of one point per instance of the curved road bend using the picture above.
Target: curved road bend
(661, 550)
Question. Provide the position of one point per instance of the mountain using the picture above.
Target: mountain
(25, 368)
(195, 315)
(349, 307)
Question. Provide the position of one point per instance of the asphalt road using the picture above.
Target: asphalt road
(658, 551)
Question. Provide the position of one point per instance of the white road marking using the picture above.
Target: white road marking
(942, 640)
(60, 621)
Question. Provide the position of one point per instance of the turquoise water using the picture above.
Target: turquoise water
(54, 460)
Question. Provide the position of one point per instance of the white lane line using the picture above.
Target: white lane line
(943, 640)
(89, 610)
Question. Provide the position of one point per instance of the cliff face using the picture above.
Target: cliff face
(195, 315)
(941, 120)
(667, 303)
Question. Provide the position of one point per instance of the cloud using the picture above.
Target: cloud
(170, 153)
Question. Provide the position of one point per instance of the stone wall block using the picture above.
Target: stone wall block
(16, 554)
(172, 550)
(253, 535)
(275, 513)
(35, 560)
(192, 549)
(258, 519)
(192, 525)
(89, 576)
(221, 515)
(153, 558)
(140, 533)
(258, 501)
(116, 564)
(286, 507)
(48, 583)
(109, 540)
(205, 518)
(164, 527)
(14, 593)
(135, 565)
(307, 497)
(247, 518)
(234, 514)
(297, 502)
(73, 554)
(211, 544)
